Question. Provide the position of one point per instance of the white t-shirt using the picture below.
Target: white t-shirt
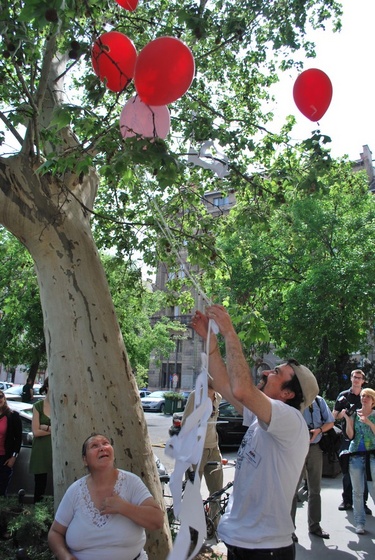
(92, 536)
(269, 464)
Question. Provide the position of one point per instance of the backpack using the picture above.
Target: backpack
(26, 393)
(330, 441)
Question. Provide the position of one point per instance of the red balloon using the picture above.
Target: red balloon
(129, 5)
(113, 60)
(164, 71)
(312, 93)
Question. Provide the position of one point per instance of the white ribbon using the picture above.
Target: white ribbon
(210, 157)
(186, 449)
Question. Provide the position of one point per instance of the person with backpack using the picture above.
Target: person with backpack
(319, 420)
(27, 391)
(346, 404)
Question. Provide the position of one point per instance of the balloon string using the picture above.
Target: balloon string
(169, 237)
(165, 229)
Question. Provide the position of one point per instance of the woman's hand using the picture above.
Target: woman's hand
(111, 505)
(362, 417)
(10, 462)
(44, 427)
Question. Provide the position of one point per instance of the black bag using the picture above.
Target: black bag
(330, 441)
(26, 393)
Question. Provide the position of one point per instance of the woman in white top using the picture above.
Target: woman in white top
(104, 514)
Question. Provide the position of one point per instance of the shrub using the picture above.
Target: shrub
(25, 527)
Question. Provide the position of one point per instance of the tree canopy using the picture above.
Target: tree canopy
(239, 50)
(299, 264)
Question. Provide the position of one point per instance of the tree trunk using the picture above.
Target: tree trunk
(91, 383)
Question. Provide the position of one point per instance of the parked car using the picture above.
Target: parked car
(21, 478)
(229, 425)
(185, 396)
(15, 393)
(155, 401)
(4, 385)
(144, 393)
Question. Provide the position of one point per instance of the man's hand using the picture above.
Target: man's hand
(200, 324)
(220, 315)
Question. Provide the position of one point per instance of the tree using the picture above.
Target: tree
(21, 324)
(71, 155)
(135, 304)
(301, 264)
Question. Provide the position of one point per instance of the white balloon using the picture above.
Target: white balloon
(148, 121)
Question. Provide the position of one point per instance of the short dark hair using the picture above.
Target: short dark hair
(295, 386)
(44, 388)
(358, 371)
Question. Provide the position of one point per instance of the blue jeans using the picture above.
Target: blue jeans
(357, 470)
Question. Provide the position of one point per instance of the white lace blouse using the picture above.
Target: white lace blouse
(92, 536)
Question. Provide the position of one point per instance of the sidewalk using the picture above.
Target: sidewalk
(344, 543)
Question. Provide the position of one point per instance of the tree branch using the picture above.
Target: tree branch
(11, 128)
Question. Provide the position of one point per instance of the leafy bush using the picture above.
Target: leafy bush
(25, 527)
(173, 396)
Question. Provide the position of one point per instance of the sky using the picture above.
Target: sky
(348, 59)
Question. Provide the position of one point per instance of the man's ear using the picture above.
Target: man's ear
(289, 394)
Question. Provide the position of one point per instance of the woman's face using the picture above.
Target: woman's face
(99, 453)
(367, 400)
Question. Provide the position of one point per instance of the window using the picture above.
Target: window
(221, 201)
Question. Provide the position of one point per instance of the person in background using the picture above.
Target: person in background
(41, 451)
(105, 513)
(319, 419)
(360, 428)
(349, 400)
(27, 391)
(211, 462)
(257, 522)
(10, 442)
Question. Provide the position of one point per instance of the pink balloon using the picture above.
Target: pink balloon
(147, 120)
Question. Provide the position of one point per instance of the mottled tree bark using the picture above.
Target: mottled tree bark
(91, 383)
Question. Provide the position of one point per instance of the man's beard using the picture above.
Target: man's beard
(262, 382)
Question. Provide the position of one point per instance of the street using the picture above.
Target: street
(344, 544)
(158, 425)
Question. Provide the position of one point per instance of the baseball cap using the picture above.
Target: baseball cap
(308, 382)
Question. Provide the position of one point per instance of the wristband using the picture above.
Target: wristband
(321, 431)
